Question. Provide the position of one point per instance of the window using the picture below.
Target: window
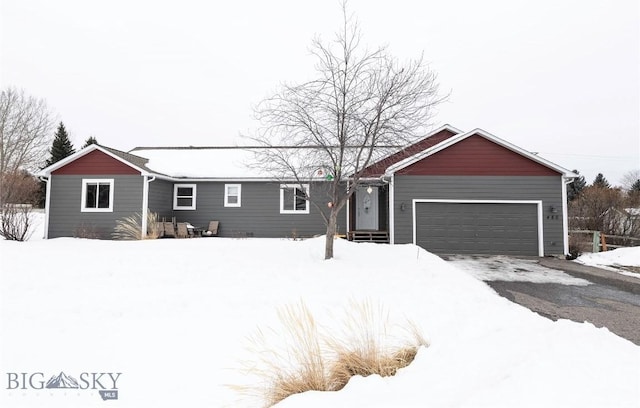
(294, 199)
(184, 197)
(97, 195)
(232, 195)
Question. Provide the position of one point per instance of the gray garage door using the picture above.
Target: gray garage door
(477, 228)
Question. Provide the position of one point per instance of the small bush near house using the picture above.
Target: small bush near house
(313, 360)
(130, 228)
(574, 248)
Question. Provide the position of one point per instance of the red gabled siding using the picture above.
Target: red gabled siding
(477, 156)
(95, 163)
(377, 169)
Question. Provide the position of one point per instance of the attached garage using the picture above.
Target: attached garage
(504, 227)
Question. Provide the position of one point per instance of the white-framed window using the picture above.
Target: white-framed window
(97, 195)
(232, 195)
(294, 199)
(184, 196)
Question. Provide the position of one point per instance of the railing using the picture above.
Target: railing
(369, 236)
(595, 241)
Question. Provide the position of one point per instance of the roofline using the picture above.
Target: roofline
(460, 137)
(82, 152)
(235, 179)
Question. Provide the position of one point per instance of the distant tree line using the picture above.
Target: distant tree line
(601, 207)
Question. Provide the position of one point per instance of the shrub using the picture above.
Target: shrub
(130, 228)
(316, 360)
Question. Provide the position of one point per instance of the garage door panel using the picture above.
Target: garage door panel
(477, 228)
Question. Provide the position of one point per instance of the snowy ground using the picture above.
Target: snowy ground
(511, 269)
(622, 260)
(173, 316)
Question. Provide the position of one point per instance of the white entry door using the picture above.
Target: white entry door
(367, 208)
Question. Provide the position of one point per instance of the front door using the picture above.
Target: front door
(367, 208)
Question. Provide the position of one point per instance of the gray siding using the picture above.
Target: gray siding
(545, 188)
(259, 215)
(161, 198)
(66, 219)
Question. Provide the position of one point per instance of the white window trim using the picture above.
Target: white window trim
(226, 195)
(83, 198)
(294, 211)
(193, 196)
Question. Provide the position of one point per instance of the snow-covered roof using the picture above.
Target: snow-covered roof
(202, 162)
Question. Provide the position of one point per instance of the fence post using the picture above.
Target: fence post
(603, 241)
(596, 241)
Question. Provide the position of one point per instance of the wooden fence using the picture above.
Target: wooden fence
(595, 241)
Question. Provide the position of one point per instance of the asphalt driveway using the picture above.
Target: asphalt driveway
(559, 289)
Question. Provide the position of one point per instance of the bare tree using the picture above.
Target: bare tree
(362, 105)
(607, 210)
(629, 178)
(25, 125)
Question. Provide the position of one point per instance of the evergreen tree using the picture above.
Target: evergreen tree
(635, 187)
(91, 140)
(601, 182)
(61, 146)
(574, 189)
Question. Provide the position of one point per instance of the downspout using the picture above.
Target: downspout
(390, 202)
(47, 197)
(145, 205)
(565, 213)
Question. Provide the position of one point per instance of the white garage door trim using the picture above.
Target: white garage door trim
(538, 203)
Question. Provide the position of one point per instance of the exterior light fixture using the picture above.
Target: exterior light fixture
(369, 190)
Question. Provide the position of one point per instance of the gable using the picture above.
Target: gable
(95, 163)
(377, 169)
(477, 156)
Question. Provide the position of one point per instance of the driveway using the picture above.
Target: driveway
(559, 289)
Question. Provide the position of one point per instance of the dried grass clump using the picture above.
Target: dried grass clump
(367, 345)
(130, 228)
(314, 360)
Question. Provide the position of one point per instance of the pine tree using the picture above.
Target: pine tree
(635, 187)
(61, 146)
(91, 140)
(574, 189)
(601, 182)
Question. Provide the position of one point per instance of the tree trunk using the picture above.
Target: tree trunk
(331, 232)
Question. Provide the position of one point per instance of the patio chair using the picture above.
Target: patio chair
(169, 231)
(212, 231)
(182, 232)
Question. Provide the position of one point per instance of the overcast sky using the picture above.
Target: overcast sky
(557, 77)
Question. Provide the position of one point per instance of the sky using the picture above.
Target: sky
(559, 78)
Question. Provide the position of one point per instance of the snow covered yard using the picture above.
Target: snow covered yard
(173, 316)
(622, 260)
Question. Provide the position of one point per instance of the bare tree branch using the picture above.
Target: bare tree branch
(362, 106)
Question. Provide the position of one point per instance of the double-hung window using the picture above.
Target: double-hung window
(97, 195)
(184, 196)
(232, 195)
(294, 199)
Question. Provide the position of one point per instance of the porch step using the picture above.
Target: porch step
(381, 237)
